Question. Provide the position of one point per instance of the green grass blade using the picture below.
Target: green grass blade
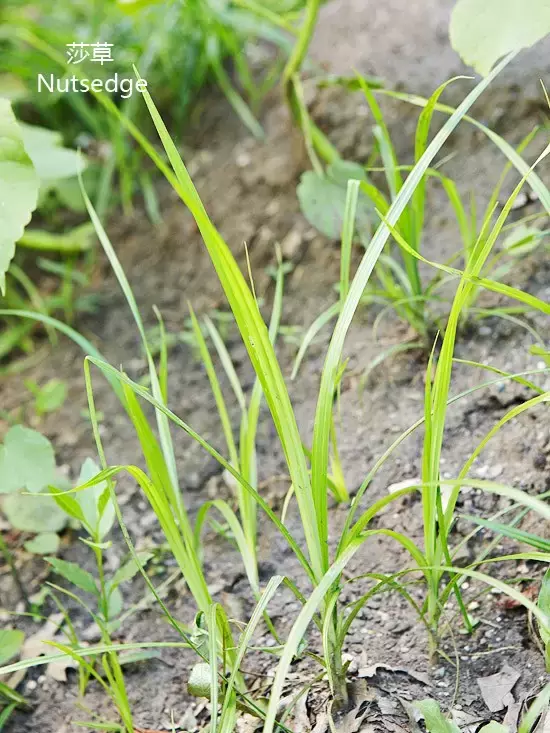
(320, 449)
(226, 361)
(256, 339)
(348, 229)
(216, 391)
(298, 631)
(420, 145)
(519, 535)
(318, 324)
(162, 423)
(246, 637)
(143, 393)
(248, 556)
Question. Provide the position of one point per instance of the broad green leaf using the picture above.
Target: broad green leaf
(95, 501)
(199, 681)
(128, 570)
(116, 602)
(19, 184)
(434, 719)
(43, 544)
(27, 461)
(74, 574)
(323, 199)
(37, 513)
(483, 32)
(493, 727)
(10, 643)
(51, 160)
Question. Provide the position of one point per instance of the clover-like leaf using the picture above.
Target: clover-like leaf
(323, 199)
(52, 161)
(43, 544)
(37, 513)
(19, 185)
(10, 643)
(200, 680)
(27, 461)
(483, 32)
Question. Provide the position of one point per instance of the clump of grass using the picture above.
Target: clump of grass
(397, 284)
(179, 46)
(309, 471)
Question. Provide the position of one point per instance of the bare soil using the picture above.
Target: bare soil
(249, 190)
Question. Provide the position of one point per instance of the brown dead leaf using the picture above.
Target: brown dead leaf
(372, 670)
(298, 719)
(496, 689)
(352, 721)
(510, 604)
(36, 646)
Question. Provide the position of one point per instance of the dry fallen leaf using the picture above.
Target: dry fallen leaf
(372, 670)
(496, 689)
(35, 646)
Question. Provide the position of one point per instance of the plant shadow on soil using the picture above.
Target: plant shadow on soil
(249, 190)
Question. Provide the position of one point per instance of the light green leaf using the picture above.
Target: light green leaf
(51, 160)
(74, 574)
(544, 604)
(483, 32)
(78, 239)
(38, 513)
(323, 199)
(522, 240)
(51, 396)
(43, 544)
(116, 602)
(126, 572)
(434, 719)
(493, 727)
(10, 643)
(199, 681)
(27, 461)
(67, 502)
(19, 186)
(95, 501)
(134, 6)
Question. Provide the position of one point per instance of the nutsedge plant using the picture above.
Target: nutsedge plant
(242, 458)
(311, 494)
(309, 470)
(397, 284)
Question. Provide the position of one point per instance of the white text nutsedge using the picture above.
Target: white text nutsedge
(113, 85)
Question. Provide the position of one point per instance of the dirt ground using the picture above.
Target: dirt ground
(248, 188)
